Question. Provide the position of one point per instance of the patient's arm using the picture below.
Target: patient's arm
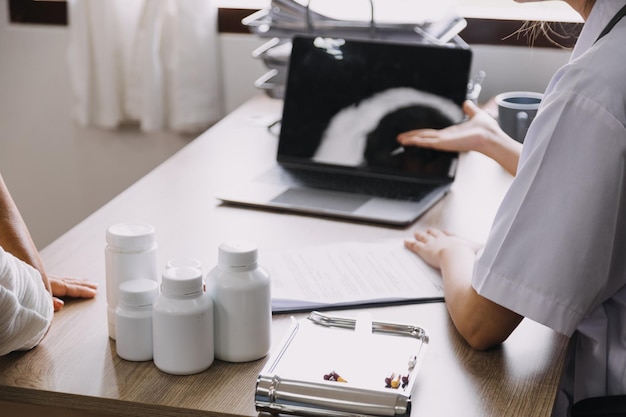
(16, 240)
(14, 235)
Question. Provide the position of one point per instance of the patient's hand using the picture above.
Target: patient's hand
(69, 287)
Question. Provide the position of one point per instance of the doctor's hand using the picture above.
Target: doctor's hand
(69, 287)
(467, 136)
(480, 133)
(436, 247)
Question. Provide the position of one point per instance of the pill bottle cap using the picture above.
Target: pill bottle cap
(138, 292)
(131, 236)
(184, 261)
(237, 254)
(181, 281)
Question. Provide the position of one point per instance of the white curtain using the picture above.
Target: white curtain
(148, 61)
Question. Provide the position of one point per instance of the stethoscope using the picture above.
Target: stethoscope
(613, 22)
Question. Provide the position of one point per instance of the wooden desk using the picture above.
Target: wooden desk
(75, 370)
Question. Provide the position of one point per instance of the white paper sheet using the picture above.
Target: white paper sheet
(349, 273)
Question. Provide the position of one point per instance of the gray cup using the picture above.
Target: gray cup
(516, 109)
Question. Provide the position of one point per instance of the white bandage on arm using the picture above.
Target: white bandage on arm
(26, 308)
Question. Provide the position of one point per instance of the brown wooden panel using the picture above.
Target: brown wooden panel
(42, 12)
(520, 33)
(229, 20)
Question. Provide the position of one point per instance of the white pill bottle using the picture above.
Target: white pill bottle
(133, 319)
(130, 253)
(240, 290)
(182, 323)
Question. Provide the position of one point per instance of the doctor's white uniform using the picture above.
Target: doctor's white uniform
(557, 249)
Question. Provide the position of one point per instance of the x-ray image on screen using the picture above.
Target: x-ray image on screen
(364, 133)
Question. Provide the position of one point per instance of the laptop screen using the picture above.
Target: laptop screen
(347, 100)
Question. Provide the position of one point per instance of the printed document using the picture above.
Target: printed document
(348, 274)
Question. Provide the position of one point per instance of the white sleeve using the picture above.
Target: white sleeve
(556, 246)
(26, 308)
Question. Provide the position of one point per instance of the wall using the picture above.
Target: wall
(59, 173)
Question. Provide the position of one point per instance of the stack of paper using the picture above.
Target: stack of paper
(349, 274)
(420, 22)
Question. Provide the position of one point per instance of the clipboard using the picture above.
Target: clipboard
(333, 366)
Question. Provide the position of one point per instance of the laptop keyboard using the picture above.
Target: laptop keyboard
(377, 187)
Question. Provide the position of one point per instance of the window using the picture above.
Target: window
(556, 11)
(494, 22)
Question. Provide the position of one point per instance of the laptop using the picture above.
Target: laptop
(345, 103)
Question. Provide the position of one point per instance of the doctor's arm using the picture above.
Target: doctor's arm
(480, 133)
(481, 322)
